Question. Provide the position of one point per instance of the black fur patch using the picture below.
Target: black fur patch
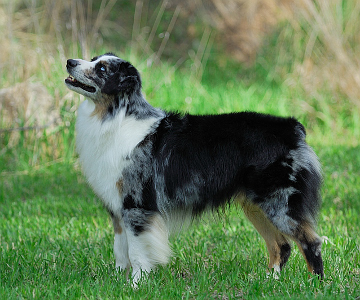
(249, 151)
(313, 256)
(137, 215)
(138, 219)
(124, 81)
(149, 196)
(285, 251)
(129, 202)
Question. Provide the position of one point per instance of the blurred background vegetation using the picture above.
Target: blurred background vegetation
(284, 57)
(304, 50)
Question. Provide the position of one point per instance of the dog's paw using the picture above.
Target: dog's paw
(121, 269)
(274, 272)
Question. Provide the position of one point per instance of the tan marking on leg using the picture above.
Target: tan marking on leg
(274, 253)
(241, 199)
(274, 239)
(119, 186)
(116, 224)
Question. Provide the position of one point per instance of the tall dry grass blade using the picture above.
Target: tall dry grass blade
(89, 13)
(74, 28)
(206, 55)
(325, 22)
(155, 25)
(167, 34)
(103, 12)
(83, 32)
(136, 28)
(199, 60)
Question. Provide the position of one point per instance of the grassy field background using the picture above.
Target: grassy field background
(56, 238)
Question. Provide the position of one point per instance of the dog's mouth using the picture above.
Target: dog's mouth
(72, 81)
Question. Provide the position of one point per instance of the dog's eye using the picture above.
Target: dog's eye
(100, 67)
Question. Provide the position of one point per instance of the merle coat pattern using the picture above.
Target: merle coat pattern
(154, 169)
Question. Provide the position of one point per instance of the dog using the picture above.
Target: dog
(154, 169)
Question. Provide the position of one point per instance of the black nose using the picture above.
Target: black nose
(71, 63)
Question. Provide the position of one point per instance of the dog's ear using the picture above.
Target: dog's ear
(131, 81)
(126, 80)
(129, 84)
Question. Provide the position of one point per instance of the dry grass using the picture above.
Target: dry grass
(38, 37)
(36, 110)
(38, 31)
(317, 42)
(27, 101)
(330, 60)
(318, 38)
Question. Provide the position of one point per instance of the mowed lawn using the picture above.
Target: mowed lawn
(56, 238)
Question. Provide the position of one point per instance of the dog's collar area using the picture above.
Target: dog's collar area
(72, 81)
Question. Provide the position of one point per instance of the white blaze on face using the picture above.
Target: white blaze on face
(85, 65)
(105, 58)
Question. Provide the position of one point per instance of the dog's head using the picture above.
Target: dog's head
(105, 75)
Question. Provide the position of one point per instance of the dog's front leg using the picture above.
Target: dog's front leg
(147, 237)
(121, 250)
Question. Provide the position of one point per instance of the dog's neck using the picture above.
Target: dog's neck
(134, 105)
(141, 109)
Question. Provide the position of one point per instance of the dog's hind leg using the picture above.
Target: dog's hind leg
(120, 244)
(147, 237)
(309, 244)
(277, 244)
(295, 223)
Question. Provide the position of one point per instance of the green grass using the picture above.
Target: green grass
(56, 238)
(56, 242)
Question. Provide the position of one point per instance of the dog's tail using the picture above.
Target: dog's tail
(303, 205)
(307, 178)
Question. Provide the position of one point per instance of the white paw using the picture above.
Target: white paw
(275, 273)
(137, 276)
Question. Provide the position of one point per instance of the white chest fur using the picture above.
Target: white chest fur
(104, 146)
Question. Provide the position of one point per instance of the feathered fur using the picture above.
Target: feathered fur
(152, 168)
